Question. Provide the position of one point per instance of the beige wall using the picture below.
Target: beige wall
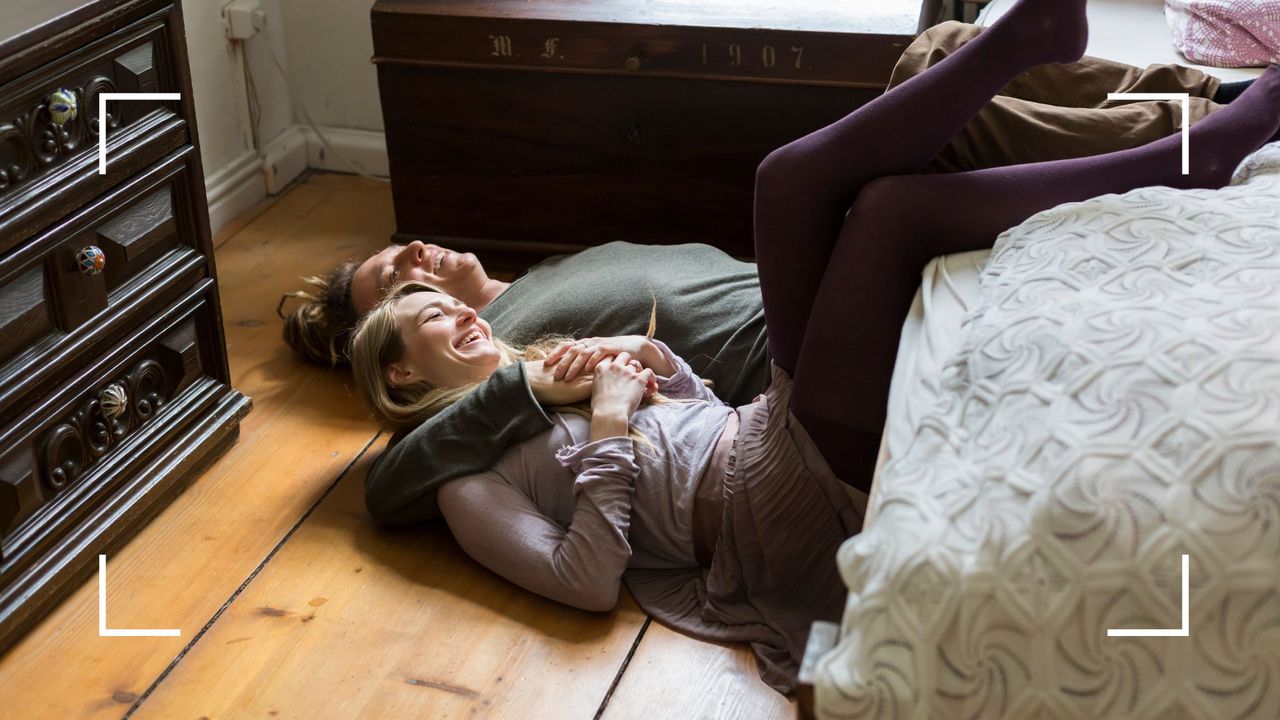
(222, 110)
(273, 92)
(330, 44)
(233, 158)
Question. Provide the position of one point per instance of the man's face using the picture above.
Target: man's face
(458, 274)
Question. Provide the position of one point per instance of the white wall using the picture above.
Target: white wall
(330, 45)
(273, 92)
(232, 163)
(324, 47)
(221, 109)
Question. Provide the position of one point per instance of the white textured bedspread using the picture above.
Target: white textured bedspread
(1115, 404)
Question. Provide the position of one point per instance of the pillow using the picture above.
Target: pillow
(1115, 404)
(1226, 33)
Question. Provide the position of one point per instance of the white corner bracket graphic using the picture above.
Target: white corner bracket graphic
(103, 630)
(1185, 99)
(1185, 630)
(102, 118)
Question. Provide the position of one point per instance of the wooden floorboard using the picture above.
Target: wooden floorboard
(674, 676)
(351, 621)
(184, 565)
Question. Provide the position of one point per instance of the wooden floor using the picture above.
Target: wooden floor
(291, 604)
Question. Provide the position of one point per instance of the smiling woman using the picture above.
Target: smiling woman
(445, 342)
(556, 515)
(425, 350)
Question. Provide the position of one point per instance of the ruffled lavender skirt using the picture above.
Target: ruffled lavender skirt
(774, 569)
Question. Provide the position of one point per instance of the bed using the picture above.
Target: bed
(981, 589)
(1129, 31)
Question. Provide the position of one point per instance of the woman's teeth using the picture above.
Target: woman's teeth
(471, 337)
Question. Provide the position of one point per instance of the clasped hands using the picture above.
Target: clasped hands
(617, 372)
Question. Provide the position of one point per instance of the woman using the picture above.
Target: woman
(630, 491)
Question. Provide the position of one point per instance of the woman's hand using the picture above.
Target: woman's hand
(617, 388)
(574, 357)
(547, 390)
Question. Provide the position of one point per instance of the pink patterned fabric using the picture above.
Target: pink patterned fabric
(1226, 33)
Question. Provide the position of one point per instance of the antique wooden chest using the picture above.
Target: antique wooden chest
(114, 385)
(524, 127)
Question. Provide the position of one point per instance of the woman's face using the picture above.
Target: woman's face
(446, 344)
(459, 274)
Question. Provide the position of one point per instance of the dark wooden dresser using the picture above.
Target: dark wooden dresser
(114, 387)
(525, 127)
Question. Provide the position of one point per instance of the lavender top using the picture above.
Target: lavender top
(565, 518)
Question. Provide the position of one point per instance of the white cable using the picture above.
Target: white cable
(251, 90)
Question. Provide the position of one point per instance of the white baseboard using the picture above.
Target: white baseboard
(238, 185)
(234, 188)
(352, 150)
(284, 158)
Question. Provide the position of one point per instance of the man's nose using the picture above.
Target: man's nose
(411, 252)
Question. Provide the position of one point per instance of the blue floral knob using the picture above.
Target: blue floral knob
(62, 106)
(91, 260)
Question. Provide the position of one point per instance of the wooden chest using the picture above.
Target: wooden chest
(114, 386)
(525, 127)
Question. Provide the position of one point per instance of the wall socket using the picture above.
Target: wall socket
(242, 19)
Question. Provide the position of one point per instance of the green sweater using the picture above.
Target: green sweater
(709, 312)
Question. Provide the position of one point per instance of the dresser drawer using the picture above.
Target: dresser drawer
(72, 450)
(47, 167)
(84, 278)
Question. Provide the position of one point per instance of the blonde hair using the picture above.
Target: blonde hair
(319, 329)
(376, 344)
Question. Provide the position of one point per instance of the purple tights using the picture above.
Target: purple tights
(843, 228)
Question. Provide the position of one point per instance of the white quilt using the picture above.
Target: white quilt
(1114, 405)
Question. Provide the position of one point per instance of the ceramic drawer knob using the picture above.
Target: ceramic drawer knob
(113, 400)
(62, 106)
(91, 260)
(632, 63)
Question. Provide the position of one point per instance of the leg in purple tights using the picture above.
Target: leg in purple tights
(804, 188)
(899, 222)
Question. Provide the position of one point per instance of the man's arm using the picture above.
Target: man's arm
(464, 439)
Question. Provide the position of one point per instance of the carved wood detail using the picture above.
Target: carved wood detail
(136, 229)
(36, 142)
(72, 447)
(135, 70)
(24, 316)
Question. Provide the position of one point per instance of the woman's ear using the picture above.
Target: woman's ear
(398, 374)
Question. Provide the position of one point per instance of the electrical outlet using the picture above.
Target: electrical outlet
(242, 19)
